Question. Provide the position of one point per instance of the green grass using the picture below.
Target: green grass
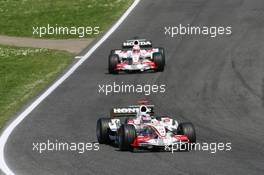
(24, 72)
(17, 17)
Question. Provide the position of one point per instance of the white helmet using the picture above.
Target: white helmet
(143, 114)
(136, 49)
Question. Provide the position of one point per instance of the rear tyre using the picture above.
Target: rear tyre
(102, 129)
(113, 60)
(126, 136)
(188, 130)
(160, 61)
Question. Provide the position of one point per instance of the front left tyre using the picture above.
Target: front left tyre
(162, 51)
(159, 60)
(188, 130)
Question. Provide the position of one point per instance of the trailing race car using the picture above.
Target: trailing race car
(137, 127)
(136, 55)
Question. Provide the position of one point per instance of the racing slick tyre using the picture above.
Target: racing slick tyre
(113, 61)
(188, 130)
(162, 51)
(160, 61)
(126, 136)
(102, 129)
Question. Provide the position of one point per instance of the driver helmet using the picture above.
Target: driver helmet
(143, 113)
(136, 49)
(145, 119)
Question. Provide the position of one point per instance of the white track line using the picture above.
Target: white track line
(8, 130)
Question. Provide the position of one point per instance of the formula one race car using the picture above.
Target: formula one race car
(136, 55)
(137, 127)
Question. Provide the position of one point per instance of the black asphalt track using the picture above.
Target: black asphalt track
(216, 83)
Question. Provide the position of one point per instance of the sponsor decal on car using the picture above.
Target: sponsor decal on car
(141, 43)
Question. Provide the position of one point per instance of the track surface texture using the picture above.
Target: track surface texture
(218, 84)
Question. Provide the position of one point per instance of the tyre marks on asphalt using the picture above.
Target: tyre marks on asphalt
(245, 83)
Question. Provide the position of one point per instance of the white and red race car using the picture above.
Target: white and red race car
(137, 127)
(136, 55)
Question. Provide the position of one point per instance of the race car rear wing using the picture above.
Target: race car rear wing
(130, 111)
(128, 44)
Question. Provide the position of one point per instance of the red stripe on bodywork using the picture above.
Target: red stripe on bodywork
(139, 139)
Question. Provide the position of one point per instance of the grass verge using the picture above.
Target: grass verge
(18, 17)
(24, 72)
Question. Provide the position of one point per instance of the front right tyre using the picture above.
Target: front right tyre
(126, 136)
(113, 60)
(102, 129)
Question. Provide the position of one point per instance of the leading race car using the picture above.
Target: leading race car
(136, 55)
(137, 127)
